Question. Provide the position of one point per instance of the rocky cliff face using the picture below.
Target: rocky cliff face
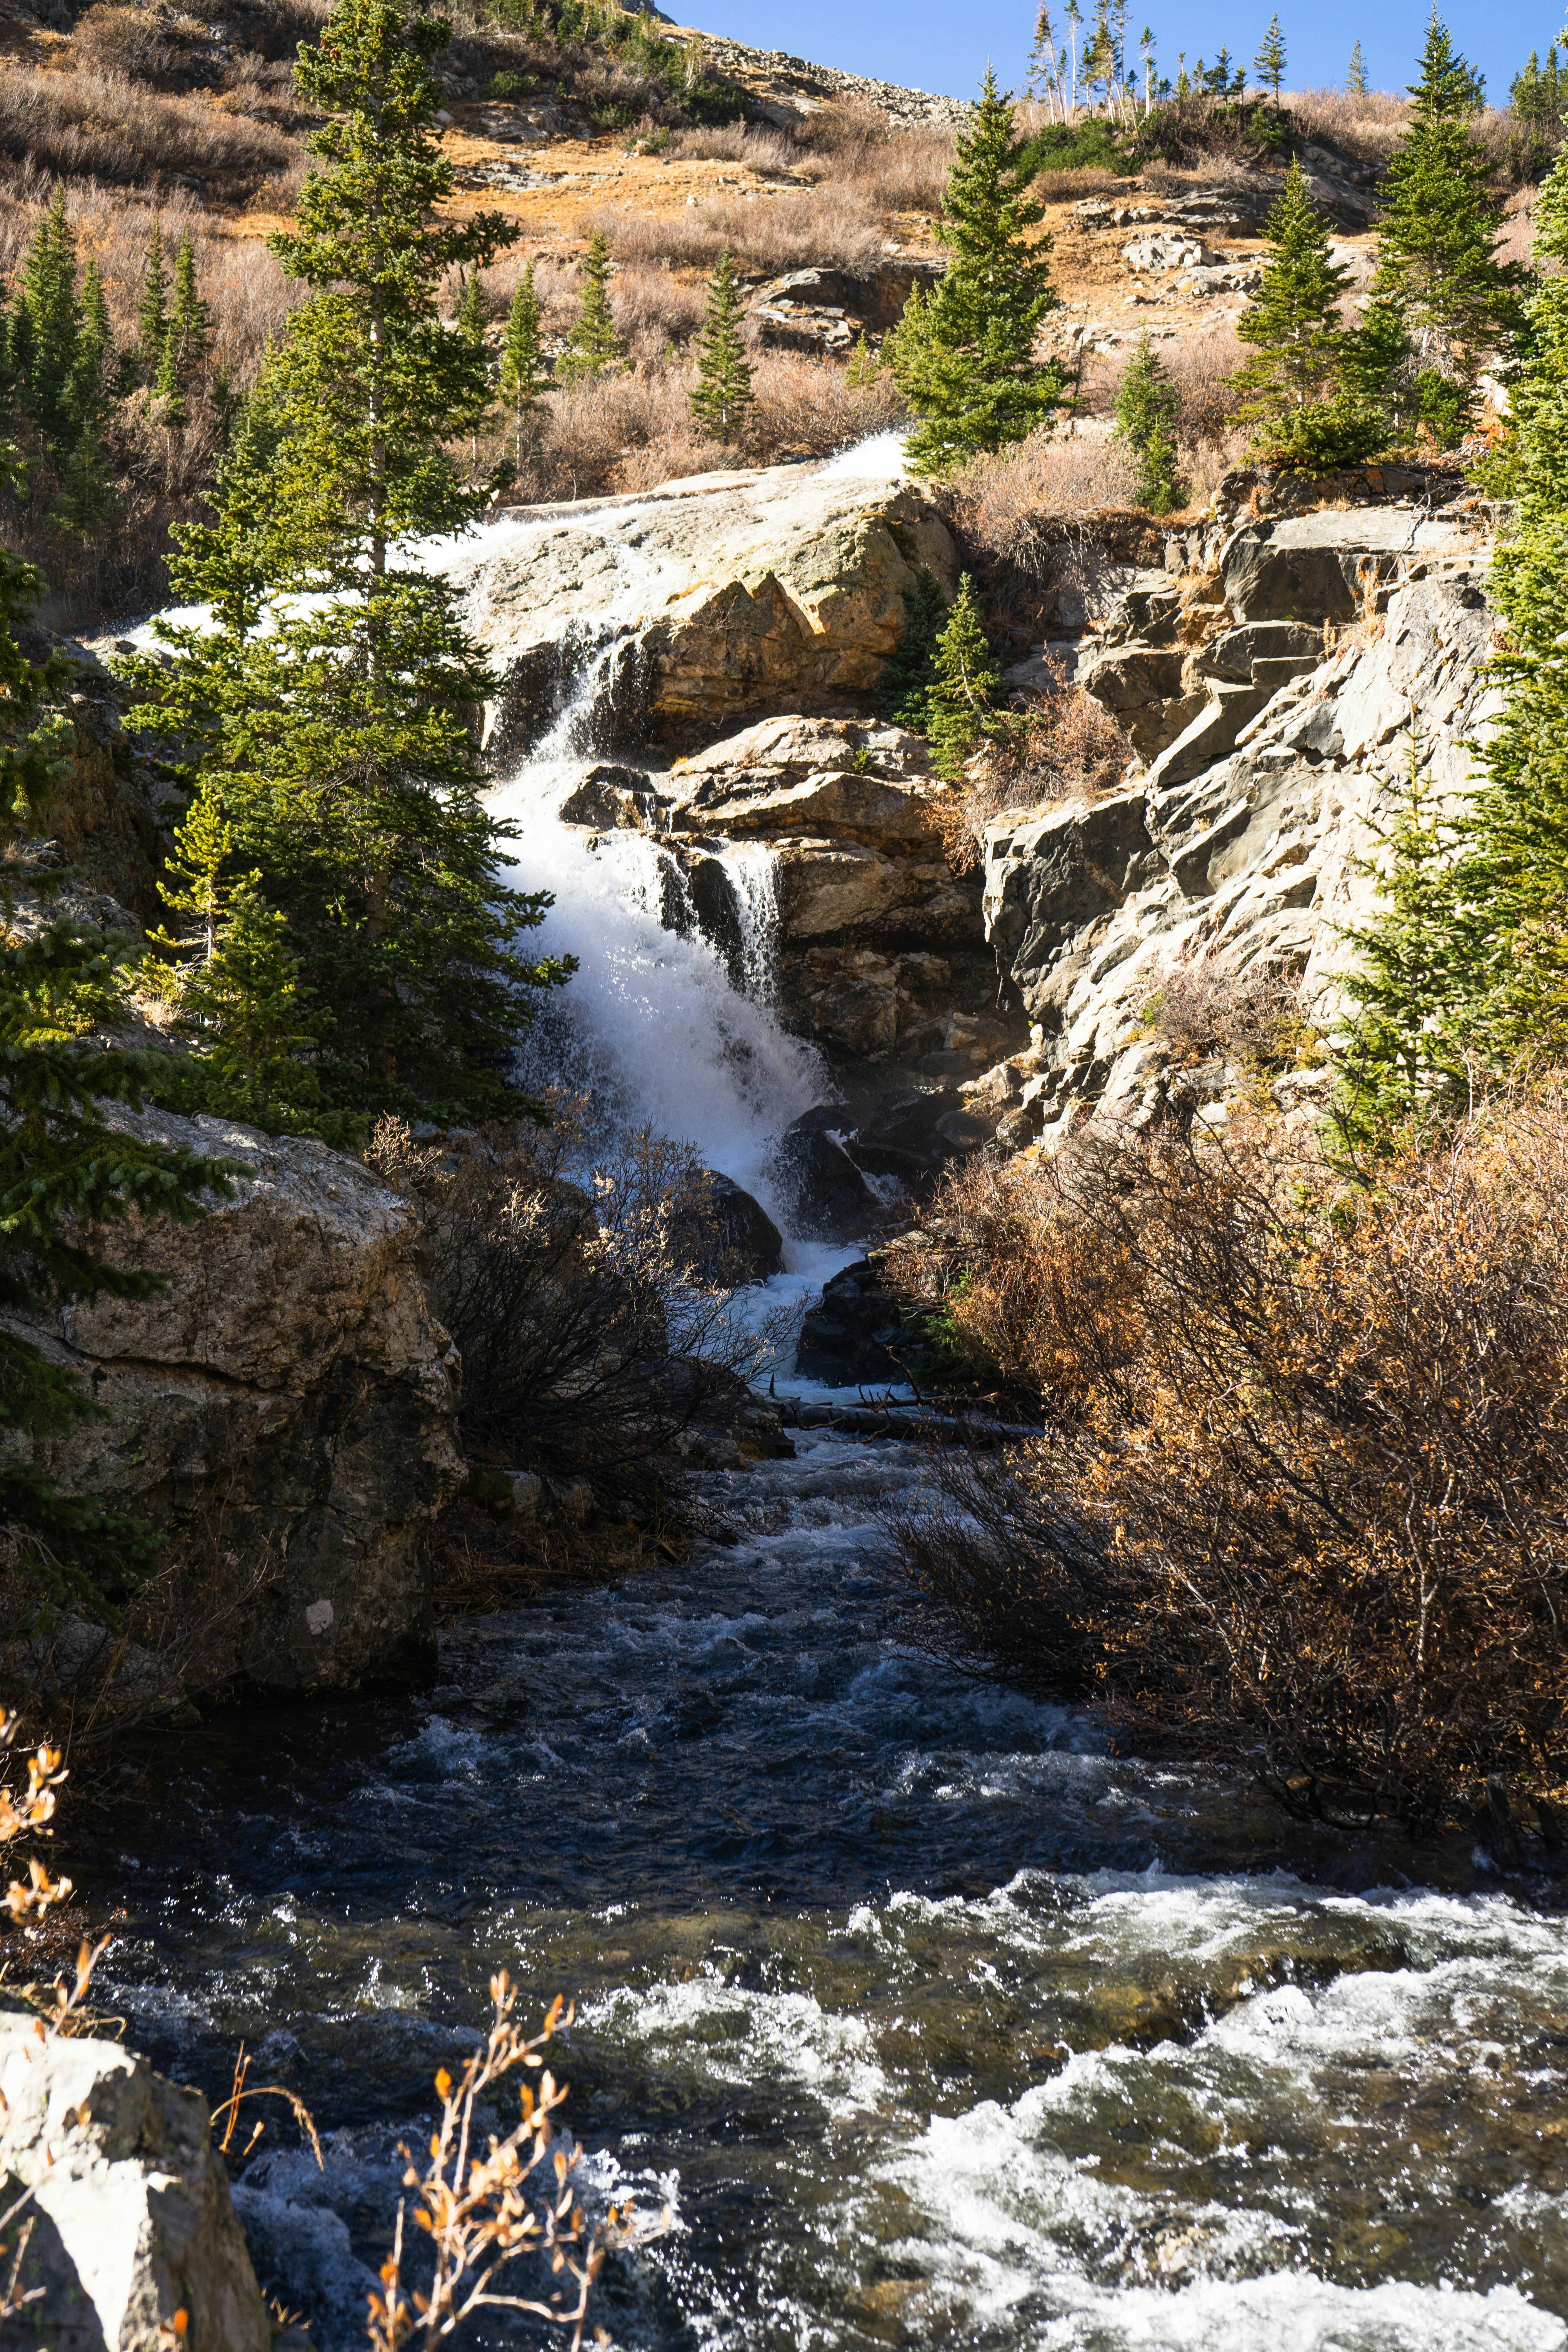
(285, 1408)
(1278, 679)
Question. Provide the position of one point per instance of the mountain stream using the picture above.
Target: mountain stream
(929, 2018)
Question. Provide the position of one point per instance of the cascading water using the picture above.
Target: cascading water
(653, 1026)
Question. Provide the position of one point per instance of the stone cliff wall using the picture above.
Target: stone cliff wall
(284, 1407)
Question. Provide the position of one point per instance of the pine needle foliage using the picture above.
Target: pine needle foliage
(960, 701)
(1438, 233)
(524, 375)
(907, 678)
(1355, 74)
(1292, 393)
(1269, 64)
(64, 1167)
(592, 348)
(720, 400)
(965, 359)
(1146, 405)
(336, 740)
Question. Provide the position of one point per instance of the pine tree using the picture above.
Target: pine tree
(1290, 392)
(236, 995)
(906, 680)
(93, 370)
(88, 502)
(592, 347)
(1269, 64)
(960, 701)
(965, 359)
(1355, 76)
(1146, 406)
(1403, 1054)
(49, 297)
(720, 400)
(337, 734)
(188, 335)
(153, 307)
(1438, 239)
(63, 1168)
(168, 394)
(525, 377)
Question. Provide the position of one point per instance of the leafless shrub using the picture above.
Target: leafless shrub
(1305, 1495)
(808, 408)
(761, 149)
(834, 224)
(1002, 498)
(1210, 1005)
(101, 124)
(1201, 365)
(1062, 746)
(597, 1319)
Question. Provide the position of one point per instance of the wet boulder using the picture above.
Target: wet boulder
(828, 1195)
(855, 1337)
(610, 798)
(912, 1135)
(748, 1240)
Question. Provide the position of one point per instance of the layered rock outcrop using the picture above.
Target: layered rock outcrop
(779, 589)
(285, 1408)
(1325, 650)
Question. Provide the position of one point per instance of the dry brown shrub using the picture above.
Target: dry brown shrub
(102, 124)
(1002, 497)
(1063, 746)
(808, 408)
(1368, 127)
(760, 149)
(1305, 1495)
(1209, 1005)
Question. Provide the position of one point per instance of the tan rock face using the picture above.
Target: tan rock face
(285, 1405)
(783, 586)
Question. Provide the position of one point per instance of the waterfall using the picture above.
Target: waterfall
(654, 1024)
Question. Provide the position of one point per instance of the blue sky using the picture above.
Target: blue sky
(934, 44)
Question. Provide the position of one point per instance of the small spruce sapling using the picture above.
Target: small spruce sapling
(1269, 64)
(1146, 406)
(720, 400)
(524, 376)
(1355, 74)
(960, 701)
(592, 348)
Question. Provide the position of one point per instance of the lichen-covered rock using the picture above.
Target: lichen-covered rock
(132, 2222)
(284, 1407)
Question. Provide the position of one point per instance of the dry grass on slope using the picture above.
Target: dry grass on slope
(102, 124)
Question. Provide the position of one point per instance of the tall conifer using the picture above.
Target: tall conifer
(1290, 391)
(1355, 74)
(525, 377)
(49, 296)
(1437, 240)
(153, 307)
(338, 737)
(1269, 64)
(961, 700)
(965, 359)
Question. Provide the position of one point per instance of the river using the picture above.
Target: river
(926, 2018)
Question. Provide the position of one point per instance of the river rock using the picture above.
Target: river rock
(135, 2224)
(742, 591)
(828, 1197)
(284, 1407)
(748, 1237)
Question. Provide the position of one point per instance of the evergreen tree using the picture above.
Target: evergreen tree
(1269, 64)
(524, 376)
(93, 370)
(592, 347)
(153, 307)
(720, 400)
(236, 995)
(63, 1168)
(336, 737)
(907, 677)
(88, 503)
(1146, 405)
(1438, 239)
(965, 359)
(1355, 76)
(188, 335)
(49, 297)
(168, 394)
(960, 701)
(1402, 1056)
(1290, 392)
